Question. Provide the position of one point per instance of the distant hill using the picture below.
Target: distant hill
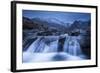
(43, 25)
(53, 26)
(80, 25)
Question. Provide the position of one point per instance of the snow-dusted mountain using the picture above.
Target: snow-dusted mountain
(80, 24)
(53, 26)
(50, 22)
(43, 23)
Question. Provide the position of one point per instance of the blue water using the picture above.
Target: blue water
(51, 49)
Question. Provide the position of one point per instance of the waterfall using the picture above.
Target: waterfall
(72, 46)
(36, 46)
(46, 48)
(51, 47)
(41, 45)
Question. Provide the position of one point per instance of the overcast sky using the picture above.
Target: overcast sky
(67, 17)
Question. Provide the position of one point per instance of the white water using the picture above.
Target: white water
(72, 46)
(45, 49)
(41, 46)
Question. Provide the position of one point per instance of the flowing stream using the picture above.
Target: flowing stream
(53, 48)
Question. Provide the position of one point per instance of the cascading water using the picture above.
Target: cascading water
(34, 46)
(72, 46)
(51, 47)
(43, 45)
(47, 49)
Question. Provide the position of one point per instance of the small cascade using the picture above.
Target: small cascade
(72, 46)
(51, 47)
(35, 46)
(41, 46)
